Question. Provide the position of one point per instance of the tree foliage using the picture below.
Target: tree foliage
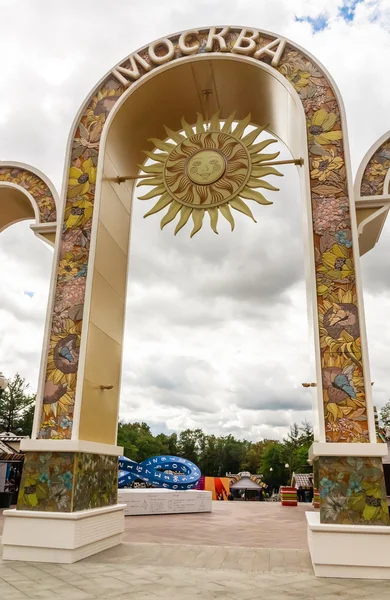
(385, 415)
(17, 407)
(217, 456)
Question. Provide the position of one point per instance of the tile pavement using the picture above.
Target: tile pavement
(183, 572)
(240, 551)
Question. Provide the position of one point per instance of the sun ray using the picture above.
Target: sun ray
(252, 195)
(174, 135)
(215, 124)
(239, 204)
(199, 127)
(160, 204)
(171, 214)
(241, 126)
(257, 158)
(153, 193)
(225, 211)
(151, 181)
(213, 213)
(158, 156)
(164, 146)
(197, 217)
(187, 128)
(208, 169)
(255, 148)
(156, 168)
(227, 127)
(185, 213)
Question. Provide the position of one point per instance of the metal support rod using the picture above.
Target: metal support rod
(106, 387)
(293, 161)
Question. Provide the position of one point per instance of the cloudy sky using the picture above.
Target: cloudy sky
(216, 333)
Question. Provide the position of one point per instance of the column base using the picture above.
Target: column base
(348, 551)
(57, 537)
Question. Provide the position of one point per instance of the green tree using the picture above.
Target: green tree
(16, 406)
(385, 415)
(190, 444)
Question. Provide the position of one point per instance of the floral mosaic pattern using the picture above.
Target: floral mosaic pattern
(375, 172)
(341, 357)
(36, 187)
(344, 395)
(352, 491)
(96, 481)
(67, 482)
(47, 482)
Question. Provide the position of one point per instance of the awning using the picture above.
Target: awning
(245, 483)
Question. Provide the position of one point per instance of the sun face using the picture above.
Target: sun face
(208, 170)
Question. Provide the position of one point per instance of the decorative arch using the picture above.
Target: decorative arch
(372, 192)
(72, 458)
(333, 256)
(26, 193)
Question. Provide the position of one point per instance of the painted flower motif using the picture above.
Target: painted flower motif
(354, 488)
(87, 144)
(60, 494)
(68, 267)
(299, 78)
(342, 238)
(80, 179)
(325, 487)
(376, 170)
(329, 213)
(65, 423)
(339, 383)
(320, 127)
(63, 355)
(66, 478)
(73, 293)
(342, 317)
(28, 496)
(78, 213)
(324, 165)
(44, 478)
(333, 505)
(336, 264)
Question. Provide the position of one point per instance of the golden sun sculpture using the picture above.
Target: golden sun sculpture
(210, 169)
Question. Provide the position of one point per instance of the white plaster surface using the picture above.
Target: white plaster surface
(348, 551)
(149, 501)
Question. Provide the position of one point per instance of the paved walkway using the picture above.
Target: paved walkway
(179, 572)
(249, 558)
(257, 524)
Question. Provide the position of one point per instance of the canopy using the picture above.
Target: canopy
(245, 483)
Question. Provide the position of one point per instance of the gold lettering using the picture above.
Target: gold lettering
(184, 49)
(170, 51)
(218, 38)
(246, 42)
(132, 73)
(270, 50)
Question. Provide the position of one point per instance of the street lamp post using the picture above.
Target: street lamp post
(287, 466)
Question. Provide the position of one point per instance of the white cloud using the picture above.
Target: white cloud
(216, 331)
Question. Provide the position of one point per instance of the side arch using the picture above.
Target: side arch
(372, 193)
(26, 193)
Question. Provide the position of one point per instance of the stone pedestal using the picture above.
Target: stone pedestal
(348, 551)
(57, 537)
(67, 506)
